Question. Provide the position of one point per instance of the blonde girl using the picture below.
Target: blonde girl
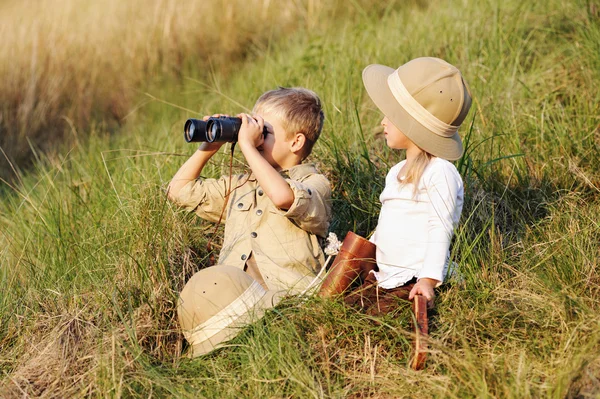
(424, 102)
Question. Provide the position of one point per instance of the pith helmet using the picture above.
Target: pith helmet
(216, 303)
(427, 99)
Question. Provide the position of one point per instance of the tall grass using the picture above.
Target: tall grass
(66, 65)
(93, 255)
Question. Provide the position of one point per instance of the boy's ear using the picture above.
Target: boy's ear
(297, 142)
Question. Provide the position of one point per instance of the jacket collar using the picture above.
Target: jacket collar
(297, 172)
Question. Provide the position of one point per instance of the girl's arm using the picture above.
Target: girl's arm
(445, 191)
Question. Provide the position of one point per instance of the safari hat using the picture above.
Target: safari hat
(216, 303)
(426, 99)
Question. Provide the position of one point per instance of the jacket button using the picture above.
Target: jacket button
(253, 234)
(259, 212)
(240, 205)
(244, 257)
(260, 192)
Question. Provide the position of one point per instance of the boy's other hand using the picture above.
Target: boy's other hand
(424, 287)
(251, 131)
(205, 117)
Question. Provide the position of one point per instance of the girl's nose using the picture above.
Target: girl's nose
(384, 121)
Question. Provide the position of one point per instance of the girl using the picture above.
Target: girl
(424, 102)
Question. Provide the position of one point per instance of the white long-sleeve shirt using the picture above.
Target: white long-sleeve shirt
(414, 232)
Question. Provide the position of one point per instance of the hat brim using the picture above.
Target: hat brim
(218, 340)
(375, 80)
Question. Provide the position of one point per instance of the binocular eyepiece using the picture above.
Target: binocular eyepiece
(215, 129)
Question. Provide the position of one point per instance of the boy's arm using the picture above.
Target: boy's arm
(306, 203)
(192, 168)
(205, 197)
(272, 183)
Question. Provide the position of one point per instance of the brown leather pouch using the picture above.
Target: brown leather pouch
(353, 263)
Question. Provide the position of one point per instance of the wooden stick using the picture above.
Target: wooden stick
(421, 332)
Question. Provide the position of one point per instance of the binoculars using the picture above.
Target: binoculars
(215, 129)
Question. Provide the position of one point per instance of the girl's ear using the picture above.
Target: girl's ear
(297, 142)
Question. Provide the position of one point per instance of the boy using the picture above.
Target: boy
(275, 215)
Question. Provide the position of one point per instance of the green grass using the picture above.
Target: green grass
(64, 68)
(93, 254)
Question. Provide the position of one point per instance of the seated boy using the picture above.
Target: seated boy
(276, 215)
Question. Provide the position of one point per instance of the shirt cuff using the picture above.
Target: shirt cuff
(439, 282)
(191, 195)
(302, 197)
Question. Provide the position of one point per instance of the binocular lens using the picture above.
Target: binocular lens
(213, 132)
(223, 128)
(194, 130)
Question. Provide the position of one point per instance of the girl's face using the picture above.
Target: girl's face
(394, 138)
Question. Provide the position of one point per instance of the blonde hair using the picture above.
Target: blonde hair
(415, 170)
(299, 111)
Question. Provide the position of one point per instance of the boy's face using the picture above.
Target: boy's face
(276, 146)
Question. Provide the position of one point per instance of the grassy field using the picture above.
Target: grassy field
(66, 68)
(93, 255)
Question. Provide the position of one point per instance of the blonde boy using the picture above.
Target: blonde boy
(276, 215)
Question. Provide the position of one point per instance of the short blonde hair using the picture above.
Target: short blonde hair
(299, 110)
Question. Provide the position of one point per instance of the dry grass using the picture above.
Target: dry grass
(64, 65)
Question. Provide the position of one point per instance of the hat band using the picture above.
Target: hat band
(416, 110)
(222, 319)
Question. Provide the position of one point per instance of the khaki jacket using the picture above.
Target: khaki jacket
(284, 244)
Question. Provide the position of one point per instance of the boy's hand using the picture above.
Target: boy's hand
(424, 287)
(251, 131)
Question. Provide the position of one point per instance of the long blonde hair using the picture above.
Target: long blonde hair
(414, 171)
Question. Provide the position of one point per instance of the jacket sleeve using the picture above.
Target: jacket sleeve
(445, 191)
(311, 209)
(205, 197)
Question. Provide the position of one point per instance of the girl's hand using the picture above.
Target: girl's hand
(424, 287)
(251, 131)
